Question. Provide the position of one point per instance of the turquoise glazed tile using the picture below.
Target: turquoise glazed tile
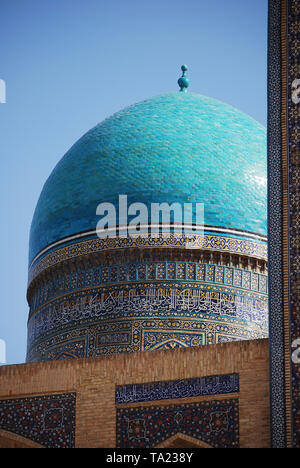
(178, 147)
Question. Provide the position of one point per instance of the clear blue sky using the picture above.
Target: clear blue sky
(68, 64)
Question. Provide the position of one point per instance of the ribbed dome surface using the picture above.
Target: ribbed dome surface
(178, 147)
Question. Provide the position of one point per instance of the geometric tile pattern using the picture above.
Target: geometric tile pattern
(275, 229)
(293, 131)
(83, 278)
(213, 242)
(48, 420)
(212, 385)
(284, 212)
(213, 422)
(144, 316)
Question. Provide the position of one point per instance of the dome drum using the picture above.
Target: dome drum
(145, 300)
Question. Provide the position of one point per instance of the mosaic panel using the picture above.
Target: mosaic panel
(122, 274)
(237, 279)
(131, 272)
(141, 272)
(113, 338)
(162, 339)
(219, 274)
(161, 271)
(228, 273)
(200, 272)
(210, 273)
(246, 280)
(213, 422)
(151, 270)
(113, 274)
(48, 420)
(181, 271)
(171, 270)
(254, 282)
(263, 283)
(191, 271)
(105, 274)
(71, 349)
(212, 385)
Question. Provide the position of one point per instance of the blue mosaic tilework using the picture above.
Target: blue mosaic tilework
(143, 317)
(157, 338)
(284, 251)
(213, 422)
(292, 231)
(48, 420)
(108, 302)
(216, 243)
(178, 147)
(156, 271)
(212, 385)
(72, 348)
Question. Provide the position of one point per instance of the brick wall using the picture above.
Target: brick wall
(94, 381)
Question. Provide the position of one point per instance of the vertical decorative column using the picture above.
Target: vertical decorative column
(284, 220)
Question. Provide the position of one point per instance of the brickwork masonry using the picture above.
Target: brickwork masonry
(94, 381)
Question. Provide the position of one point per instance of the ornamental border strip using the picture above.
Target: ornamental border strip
(153, 289)
(222, 244)
(292, 311)
(103, 275)
(284, 207)
(183, 388)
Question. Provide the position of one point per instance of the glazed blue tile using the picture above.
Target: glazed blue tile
(178, 147)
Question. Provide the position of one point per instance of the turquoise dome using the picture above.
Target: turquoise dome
(177, 147)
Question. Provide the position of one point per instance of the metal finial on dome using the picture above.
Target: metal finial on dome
(183, 80)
